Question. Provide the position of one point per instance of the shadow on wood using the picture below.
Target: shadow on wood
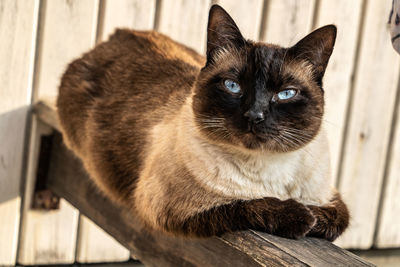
(68, 179)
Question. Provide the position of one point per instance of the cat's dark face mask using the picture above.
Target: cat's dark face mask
(261, 96)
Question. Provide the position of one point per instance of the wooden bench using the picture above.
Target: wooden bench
(67, 178)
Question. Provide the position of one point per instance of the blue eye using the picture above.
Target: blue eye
(232, 86)
(287, 94)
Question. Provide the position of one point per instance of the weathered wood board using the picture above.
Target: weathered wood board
(95, 245)
(133, 14)
(371, 110)
(67, 29)
(46, 236)
(388, 233)
(249, 22)
(185, 21)
(287, 21)
(248, 248)
(18, 25)
(346, 16)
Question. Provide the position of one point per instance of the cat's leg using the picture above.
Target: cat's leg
(287, 218)
(332, 219)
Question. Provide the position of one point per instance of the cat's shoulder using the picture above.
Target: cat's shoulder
(158, 43)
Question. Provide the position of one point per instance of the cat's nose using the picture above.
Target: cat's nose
(254, 116)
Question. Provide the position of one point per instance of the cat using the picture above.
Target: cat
(199, 146)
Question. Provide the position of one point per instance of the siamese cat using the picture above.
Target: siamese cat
(202, 146)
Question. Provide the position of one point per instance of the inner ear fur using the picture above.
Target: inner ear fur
(316, 48)
(222, 32)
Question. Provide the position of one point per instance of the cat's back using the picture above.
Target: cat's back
(113, 95)
(142, 69)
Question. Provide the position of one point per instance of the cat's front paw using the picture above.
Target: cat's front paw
(331, 222)
(294, 220)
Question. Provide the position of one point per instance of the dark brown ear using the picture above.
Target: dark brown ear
(222, 32)
(317, 48)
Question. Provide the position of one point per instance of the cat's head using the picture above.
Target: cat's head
(257, 95)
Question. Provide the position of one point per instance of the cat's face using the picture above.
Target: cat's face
(261, 96)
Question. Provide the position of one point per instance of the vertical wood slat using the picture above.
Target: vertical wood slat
(185, 21)
(18, 24)
(288, 21)
(388, 234)
(134, 14)
(95, 245)
(68, 29)
(246, 14)
(46, 245)
(370, 121)
(338, 76)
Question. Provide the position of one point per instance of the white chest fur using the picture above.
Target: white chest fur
(303, 174)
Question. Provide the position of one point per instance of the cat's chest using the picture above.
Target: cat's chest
(256, 178)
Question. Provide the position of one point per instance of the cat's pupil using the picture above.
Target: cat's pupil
(232, 86)
(286, 94)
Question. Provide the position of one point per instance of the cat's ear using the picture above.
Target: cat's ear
(222, 32)
(316, 48)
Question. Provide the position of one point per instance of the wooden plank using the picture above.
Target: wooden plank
(18, 25)
(68, 179)
(388, 234)
(95, 245)
(246, 14)
(135, 14)
(381, 257)
(49, 236)
(338, 78)
(287, 21)
(185, 21)
(46, 237)
(374, 94)
(68, 28)
(45, 109)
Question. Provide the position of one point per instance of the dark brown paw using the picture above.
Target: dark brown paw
(331, 222)
(294, 220)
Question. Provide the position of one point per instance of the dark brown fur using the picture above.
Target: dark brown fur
(332, 219)
(286, 218)
(112, 99)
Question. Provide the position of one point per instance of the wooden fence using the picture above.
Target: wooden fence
(38, 39)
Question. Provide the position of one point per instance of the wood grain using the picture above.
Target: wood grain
(338, 76)
(185, 21)
(46, 237)
(287, 21)
(371, 111)
(68, 179)
(68, 28)
(388, 233)
(133, 14)
(249, 22)
(95, 245)
(18, 25)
